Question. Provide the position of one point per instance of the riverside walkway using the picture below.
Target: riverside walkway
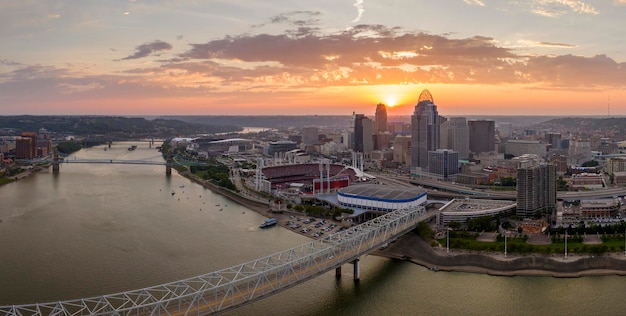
(232, 287)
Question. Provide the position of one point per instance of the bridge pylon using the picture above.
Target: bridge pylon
(168, 166)
(55, 163)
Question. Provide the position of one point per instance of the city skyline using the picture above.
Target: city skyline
(540, 57)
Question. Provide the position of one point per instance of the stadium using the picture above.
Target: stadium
(369, 200)
(309, 177)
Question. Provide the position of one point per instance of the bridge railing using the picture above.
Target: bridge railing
(235, 286)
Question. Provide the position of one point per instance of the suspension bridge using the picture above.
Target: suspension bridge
(233, 287)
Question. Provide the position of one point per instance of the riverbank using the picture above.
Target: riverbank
(412, 248)
(21, 175)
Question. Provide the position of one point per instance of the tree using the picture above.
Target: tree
(561, 184)
(423, 230)
(483, 223)
(590, 163)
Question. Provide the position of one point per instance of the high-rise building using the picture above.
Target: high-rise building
(380, 118)
(505, 129)
(424, 130)
(554, 139)
(482, 136)
(24, 148)
(401, 149)
(443, 162)
(536, 189)
(455, 136)
(310, 135)
(362, 134)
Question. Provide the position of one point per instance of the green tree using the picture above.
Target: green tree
(590, 163)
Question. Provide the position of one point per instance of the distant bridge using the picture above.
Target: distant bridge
(242, 284)
(115, 162)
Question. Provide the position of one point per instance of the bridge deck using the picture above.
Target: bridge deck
(235, 286)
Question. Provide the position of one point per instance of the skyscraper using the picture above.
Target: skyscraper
(482, 136)
(455, 135)
(380, 118)
(362, 134)
(424, 130)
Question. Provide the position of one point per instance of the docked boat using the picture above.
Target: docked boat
(269, 223)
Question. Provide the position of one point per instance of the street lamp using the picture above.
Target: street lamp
(447, 239)
(566, 244)
(505, 233)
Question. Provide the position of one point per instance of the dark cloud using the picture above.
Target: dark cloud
(146, 49)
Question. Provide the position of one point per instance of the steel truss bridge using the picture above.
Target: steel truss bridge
(114, 161)
(242, 284)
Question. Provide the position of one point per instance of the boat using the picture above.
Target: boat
(269, 223)
(131, 148)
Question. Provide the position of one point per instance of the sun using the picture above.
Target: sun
(391, 100)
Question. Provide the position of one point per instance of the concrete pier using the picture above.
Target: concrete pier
(357, 269)
(168, 167)
(55, 163)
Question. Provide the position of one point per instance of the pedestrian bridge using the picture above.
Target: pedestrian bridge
(242, 284)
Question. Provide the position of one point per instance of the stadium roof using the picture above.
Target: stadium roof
(385, 192)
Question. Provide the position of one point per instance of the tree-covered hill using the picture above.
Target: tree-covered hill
(614, 124)
(107, 125)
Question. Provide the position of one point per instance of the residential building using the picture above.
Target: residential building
(536, 189)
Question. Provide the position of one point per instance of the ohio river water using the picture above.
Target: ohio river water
(98, 229)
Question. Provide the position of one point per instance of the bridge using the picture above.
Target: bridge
(115, 162)
(233, 287)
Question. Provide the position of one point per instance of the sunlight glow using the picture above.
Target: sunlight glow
(391, 101)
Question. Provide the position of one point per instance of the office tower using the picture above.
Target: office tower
(554, 139)
(482, 136)
(455, 136)
(536, 189)
(362, 134)
(505, 129)
(443, 162)
(424, 130)
(310, 135)
(380, 118)
(401, 149)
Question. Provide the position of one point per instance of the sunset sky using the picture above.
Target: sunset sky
(205, 57)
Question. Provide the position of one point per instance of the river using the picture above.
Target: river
(98, 229)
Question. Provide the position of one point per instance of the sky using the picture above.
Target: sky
(322, 57)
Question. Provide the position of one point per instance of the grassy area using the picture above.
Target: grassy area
(5, 180)
(519, 245)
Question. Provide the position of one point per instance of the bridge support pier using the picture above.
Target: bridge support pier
(357, 269)
(55, 163)
(168, 167)
(338, 272)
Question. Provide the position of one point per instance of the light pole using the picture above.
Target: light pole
(566, 244)
(447, 239)
(505, 233)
